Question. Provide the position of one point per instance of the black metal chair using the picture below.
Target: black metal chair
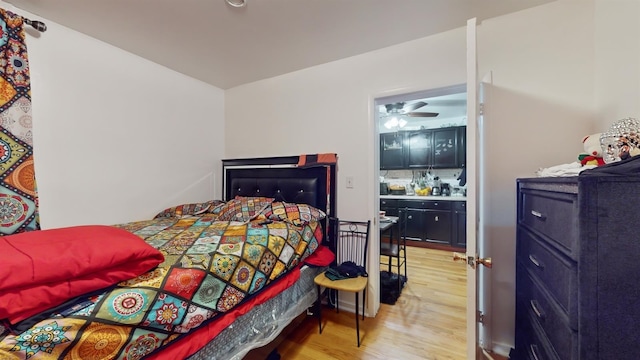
(393, 249)
(351, 243)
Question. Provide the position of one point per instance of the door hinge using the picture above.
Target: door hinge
(480, 317)
(481, 108)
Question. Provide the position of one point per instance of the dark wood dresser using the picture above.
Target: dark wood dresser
(578, 268)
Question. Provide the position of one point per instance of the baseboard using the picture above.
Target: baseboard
(351, 307)
(501, 349)
(490, 355)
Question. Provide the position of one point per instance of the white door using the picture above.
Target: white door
(478, 301)
(483, 254)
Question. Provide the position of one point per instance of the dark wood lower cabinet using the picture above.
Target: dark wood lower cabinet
(438, 226)
(416, 220)
(390, 206)
(436, 222)
(459, 224)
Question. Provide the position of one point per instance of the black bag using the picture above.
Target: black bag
(389, 292)
(347, 269)
(351, 270)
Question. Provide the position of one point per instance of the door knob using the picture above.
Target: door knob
(463, 258)
(473, 262)
(484, 261)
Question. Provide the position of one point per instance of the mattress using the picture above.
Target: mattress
(212, 269)
(264, 322)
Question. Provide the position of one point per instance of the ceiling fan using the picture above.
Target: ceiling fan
(402, 108)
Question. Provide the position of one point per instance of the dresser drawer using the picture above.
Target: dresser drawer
(542, 310)
(557, 273)
(531, 343)
(553, 215)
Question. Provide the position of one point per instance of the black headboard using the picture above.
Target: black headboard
(282, 179)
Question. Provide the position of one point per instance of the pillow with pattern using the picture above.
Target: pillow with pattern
(242, 208)
(296, 214)
(215, 209)
(188, 209)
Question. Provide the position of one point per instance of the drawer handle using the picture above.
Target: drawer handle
(539, 313)
(535, 261)
(538, 215)
(534, 351)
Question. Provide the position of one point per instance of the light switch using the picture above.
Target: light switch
(349, 182)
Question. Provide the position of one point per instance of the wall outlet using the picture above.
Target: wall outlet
(349, 182)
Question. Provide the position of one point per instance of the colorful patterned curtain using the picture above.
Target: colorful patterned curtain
(18, 194)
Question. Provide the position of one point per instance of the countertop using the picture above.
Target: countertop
(427, 197)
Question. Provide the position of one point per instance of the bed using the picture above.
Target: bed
(258, 239)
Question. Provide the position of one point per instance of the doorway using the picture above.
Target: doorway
(414, 147)
(396, 117)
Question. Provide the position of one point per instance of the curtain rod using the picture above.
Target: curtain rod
(38, 25)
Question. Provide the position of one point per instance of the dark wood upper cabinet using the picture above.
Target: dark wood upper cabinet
(445, 148)
(419, 149)
(462, 146)
(392, 150)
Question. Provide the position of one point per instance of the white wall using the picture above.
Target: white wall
(117, 138)
(617, 61)
(329, 108)
(540, 105)
(565, 70)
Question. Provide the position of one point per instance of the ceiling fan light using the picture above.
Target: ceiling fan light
(236, 3)
(402, 122)
(391, 123)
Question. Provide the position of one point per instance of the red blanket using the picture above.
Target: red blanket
(37, 266)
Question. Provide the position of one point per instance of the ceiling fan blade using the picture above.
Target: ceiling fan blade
(422, 114)
(414, 106)
(390, 108)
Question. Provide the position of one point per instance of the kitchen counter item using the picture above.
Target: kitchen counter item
(457, 191)
(397, 190)
(410, 190)
(435, 191)
(384, 188)
(445, 189)
(463, 177)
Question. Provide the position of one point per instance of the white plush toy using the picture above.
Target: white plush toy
(593, 150)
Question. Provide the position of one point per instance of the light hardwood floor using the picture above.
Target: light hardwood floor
(427, 321)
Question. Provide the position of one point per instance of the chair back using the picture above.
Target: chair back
(352, 240)
(402, 226)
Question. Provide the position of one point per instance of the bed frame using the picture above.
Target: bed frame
(282, 179)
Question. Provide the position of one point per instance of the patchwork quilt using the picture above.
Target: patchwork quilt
(209, 267)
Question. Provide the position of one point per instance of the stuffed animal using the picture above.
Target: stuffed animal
(593, 151)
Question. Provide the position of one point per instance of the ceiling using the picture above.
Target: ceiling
(451, 109)
(226, 46)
